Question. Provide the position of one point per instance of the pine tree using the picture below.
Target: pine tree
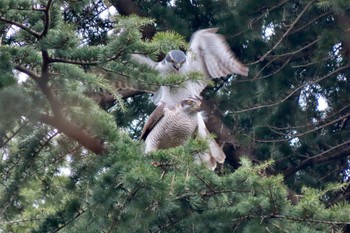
(73, 104)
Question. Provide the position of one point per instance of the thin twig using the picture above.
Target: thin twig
(286, 33)
(293, 92)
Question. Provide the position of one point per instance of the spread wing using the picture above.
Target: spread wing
(153, 119)
(210, 53)
(144, 60)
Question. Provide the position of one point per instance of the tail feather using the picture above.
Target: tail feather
(205, 158)
(215, 153)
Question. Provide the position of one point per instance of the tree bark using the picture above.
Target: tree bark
(74, 132)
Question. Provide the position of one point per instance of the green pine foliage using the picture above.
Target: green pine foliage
(69, 165)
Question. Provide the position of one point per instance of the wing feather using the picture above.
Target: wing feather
(141, 59)
(215, 153)
(210, 53)
(152, 121)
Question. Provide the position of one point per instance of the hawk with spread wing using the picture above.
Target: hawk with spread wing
(208, 54)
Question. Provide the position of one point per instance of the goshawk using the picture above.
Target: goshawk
(169, 127)
(208, 54)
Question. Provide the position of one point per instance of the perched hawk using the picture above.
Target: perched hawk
(173, 126)
(209, 54)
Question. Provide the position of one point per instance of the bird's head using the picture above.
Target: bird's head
(175, 59)
(191, 105)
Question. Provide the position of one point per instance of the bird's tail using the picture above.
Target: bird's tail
(214, 154)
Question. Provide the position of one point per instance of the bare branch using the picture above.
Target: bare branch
(297, 51)
(321, 158)
(306, 125)
(303, 133)
(286, 33)
(311, 22)
(282, 99)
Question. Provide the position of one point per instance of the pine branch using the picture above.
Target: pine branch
(28, 72)
(47, 20)
(63, 155)
(74, 132)
(278, 216)
(76, 62)
(309, 220)
(30, 31)
(13, 134)
(21, 221)
(167, 226)
(71, 220)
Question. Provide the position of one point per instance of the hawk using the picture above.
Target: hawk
(208, 54)
(173, 126)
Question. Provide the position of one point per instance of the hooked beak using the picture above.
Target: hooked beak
(177, 66)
